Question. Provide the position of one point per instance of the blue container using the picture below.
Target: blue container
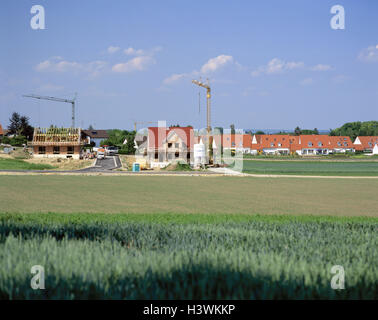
(136, 167)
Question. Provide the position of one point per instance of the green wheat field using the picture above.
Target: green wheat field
(188, 237)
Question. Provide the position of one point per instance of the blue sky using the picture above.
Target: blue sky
(271, 64)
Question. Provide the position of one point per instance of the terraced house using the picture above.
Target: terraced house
(305, 145)
(368, 144)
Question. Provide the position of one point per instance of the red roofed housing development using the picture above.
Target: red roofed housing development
(302, 145)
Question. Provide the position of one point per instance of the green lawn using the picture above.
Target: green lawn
(17, 164)
(179, 194)
(187, 256)
(335, 168)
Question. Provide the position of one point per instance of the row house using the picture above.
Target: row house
(367, 144)
(302, 145)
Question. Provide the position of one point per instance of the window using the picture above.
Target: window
(156, 155)
(339, 143)
(70, 150)
(320, 144)
(233, 144)
(310, 144)
(345, 144)
(41, 150)
(56, 150)
(279, 144)
(177, 154)
(272, 144)
(177, 145)
(169, 145)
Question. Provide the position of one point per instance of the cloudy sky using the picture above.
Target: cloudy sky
(271, 64)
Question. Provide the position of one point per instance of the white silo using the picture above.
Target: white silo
(199, 154)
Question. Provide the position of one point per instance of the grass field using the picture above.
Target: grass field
(144, 237)
(152, 194)
(324, 168)
(187, 256)
(17, 164)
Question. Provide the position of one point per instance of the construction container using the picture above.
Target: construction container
(136, 167)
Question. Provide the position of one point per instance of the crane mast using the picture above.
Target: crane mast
(209, 140)
(208, 101)
(72, 101)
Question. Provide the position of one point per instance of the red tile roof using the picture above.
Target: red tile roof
(157, 135)
(367, 142)
(1, 130)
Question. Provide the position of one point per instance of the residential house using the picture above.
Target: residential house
(237, 142)
(57, 142)
(302, 145)
(365, 144)
(341, 144)
(274, 144)
(94, 136)
(165, 145)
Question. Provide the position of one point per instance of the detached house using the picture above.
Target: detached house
(165, 145)
(95, 136)
(57, 142)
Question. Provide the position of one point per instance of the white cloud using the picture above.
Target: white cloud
(276, 66)
(57, 64)
(112, 49)
(174, 77)
(210, 66)
(306, 82)
(133, 52)
(369, 54)
(135, 64)
(216, 63)
(321, 67)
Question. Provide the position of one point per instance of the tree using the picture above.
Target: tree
(260, 132)
(117, 137)
(232, 126)
(19, 126)
(354, 129)
(297, 131)
(14, 123)
(316, 131)
(90, 127)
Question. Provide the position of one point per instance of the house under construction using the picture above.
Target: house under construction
(57, 142)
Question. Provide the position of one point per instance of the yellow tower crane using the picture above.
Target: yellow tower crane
(209, 140)
(208, 97)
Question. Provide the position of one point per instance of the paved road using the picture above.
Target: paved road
(109, 163)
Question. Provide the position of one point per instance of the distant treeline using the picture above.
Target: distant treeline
(354, 129)
(351, 129)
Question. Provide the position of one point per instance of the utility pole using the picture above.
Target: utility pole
(72, 101)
